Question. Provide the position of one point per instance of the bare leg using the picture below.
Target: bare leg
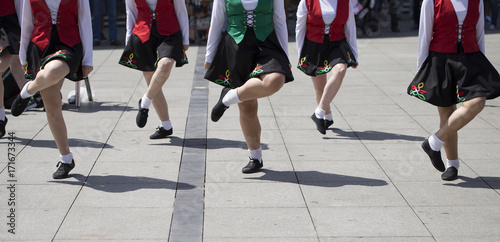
(451, 145)
(332, 86)
(265, 86)
(5, 59)
(17, 71)
(159, 101)
(51, 75)
(319, 83)
(160, 76)
(53, 102)
(250, 124)
(460, 117)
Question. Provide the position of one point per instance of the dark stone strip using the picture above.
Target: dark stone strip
(187, 218)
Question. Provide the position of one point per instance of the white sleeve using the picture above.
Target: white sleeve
(350, 32)
(279, 19)
(182, 18)
(215, 32)
(132, 12)
(425, 31)
(480, 28)
(26, 30)
(85, 29)
(19, 10)
(301, 27)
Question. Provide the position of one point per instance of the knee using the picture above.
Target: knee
(477, 105)
(274, 82)
(165, 64)
(48, 76)
(248, 109)
(341, 68)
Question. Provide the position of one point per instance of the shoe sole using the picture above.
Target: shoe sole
(214, 117)
(439, 165)
(320, 124)
(138, 120)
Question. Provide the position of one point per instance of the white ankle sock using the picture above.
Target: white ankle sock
(454, 163)
(231, 98)
(146, 102)
(2, 113)
(256, 154)
(166, 124)
(67, 158)
(320, 113)
(329, 116)
(24, 92)
(435, 143)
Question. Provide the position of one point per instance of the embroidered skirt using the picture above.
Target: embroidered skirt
(37, 58)
(235, 63)
(319, 58)
(145, 56)
(10, 34)
(447, 79)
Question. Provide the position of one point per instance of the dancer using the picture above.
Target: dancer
(452, 68)
(326, 41)
(250, 59)
(157, 37)
(10, 32)
(52, 50)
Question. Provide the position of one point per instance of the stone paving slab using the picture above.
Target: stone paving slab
(365, 180)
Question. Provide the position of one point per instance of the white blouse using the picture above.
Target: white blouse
(427, 26)
(219, 19)
(19, 10)
(180, 12)
(84, 26)
(329, 11)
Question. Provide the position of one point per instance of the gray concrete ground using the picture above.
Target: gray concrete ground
(365, 180)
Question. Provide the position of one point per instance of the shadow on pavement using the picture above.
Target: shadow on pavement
(119, 184)
(373, 135)
(319, 179)
(72, 143)
(478, 182)
(211, 143)
(93, 107)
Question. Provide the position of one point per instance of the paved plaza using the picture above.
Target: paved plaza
(365, 180)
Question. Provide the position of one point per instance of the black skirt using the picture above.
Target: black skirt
(235, 63)
(37, 58)
(145, 56)
(319, 58)
(447, 79)
(10, 34)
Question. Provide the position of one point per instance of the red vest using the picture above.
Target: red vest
(445, 32)
(7, 8)
(166, 20)
(67, 23)
(316, 26)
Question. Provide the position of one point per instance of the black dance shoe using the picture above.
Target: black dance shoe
(320, 124)
(435, 156)
(161, 133)
(450, 174)
(253, 166)
(328, 123)
(219, 108)
(3, 123)
(142, 116)
(63, 170)
(19, 105)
